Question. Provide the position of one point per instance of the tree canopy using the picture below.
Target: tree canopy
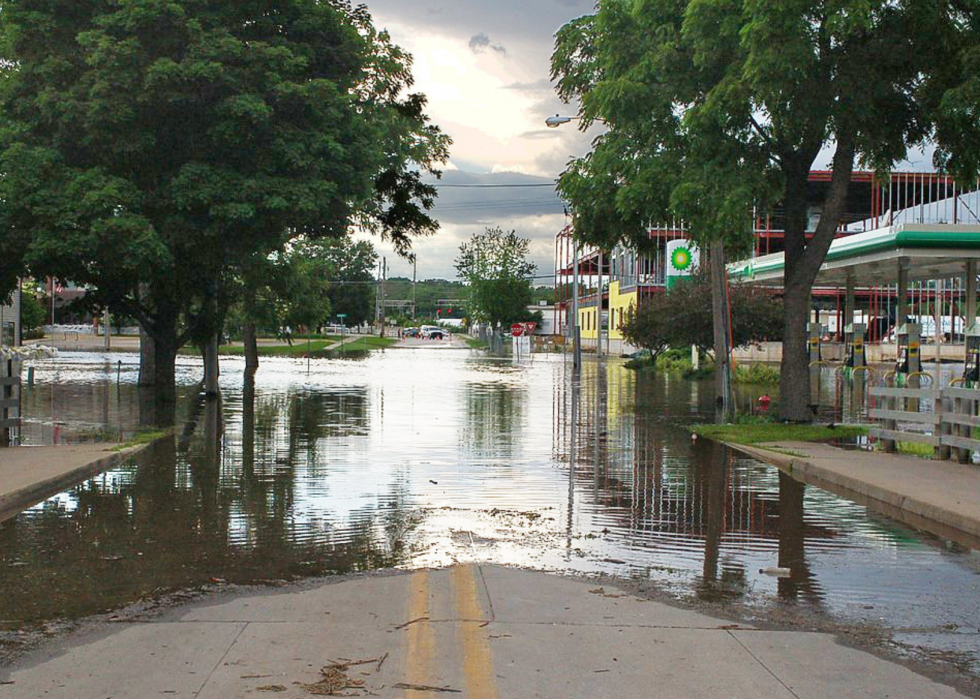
(716, 107)
(152, 149)
(495, 266)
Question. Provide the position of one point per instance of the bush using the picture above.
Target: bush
(755, 374)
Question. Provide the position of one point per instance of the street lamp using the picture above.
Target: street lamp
(557, 120)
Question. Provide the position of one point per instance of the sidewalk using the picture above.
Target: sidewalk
(477, 632)
(29, 475)
(939, 496)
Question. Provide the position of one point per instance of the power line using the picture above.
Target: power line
(490, 186)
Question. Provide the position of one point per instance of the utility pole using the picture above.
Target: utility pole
(107, 330)
(576, 334)
(415, 271)
(384, 294)
(719, 308)
(598, 318)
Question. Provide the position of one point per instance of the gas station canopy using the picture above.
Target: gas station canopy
(926, 251)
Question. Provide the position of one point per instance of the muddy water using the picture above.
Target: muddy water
(426, 457)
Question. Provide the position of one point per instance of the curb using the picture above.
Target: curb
(917, 513)
(12, 504)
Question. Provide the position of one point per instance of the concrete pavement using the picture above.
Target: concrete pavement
(942, 497)
(452, 342)
(480, 632)
(29, 475)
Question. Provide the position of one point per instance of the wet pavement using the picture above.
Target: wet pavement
(426, 458)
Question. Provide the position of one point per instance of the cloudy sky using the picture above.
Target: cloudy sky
(485, 68)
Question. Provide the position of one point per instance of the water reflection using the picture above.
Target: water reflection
(428, 457)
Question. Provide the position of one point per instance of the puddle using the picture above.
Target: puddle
(407, 459)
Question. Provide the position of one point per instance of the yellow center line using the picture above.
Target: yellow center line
(477, 663)
(421, 636)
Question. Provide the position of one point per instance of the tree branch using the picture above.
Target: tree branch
(833, 210)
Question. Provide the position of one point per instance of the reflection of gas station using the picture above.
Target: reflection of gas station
(897, 257)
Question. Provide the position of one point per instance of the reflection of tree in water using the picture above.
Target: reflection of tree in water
(663, 493)
(178, 518)
(495, 415)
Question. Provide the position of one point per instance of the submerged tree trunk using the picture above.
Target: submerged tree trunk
(147, 358)
(211, 368)
(251, 347)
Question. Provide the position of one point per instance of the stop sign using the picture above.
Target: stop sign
(517, 329)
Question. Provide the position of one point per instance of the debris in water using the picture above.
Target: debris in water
(776, 572)
(433, 482)
(271, 688)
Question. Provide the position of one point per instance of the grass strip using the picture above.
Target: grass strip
(768, 433)
(142, 438)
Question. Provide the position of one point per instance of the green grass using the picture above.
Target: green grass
(366, 343)
(769, 432)
(924, 451)
(142, 438)
(299, 349)
(475, 343)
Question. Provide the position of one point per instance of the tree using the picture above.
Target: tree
(351, 269)
(155, 150)
(683, 316)
(716, 106)
(32, 313)
(499, 274)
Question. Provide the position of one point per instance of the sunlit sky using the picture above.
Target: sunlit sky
(485, 69)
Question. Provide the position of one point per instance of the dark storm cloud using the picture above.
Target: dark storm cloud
(481, 42)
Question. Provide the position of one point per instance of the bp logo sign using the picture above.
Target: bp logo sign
(682, 258)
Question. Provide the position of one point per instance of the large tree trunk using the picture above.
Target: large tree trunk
(719, 311)
(165, 356)
(251, 347)
(803, 260)
(147, 358)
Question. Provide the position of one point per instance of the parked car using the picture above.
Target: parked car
(412, 332)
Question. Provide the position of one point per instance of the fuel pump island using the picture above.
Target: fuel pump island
(894, 256)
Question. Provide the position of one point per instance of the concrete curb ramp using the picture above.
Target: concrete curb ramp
(29, 475)
(479, 632)
(942, 497)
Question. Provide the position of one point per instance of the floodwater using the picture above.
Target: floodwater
(411, 458)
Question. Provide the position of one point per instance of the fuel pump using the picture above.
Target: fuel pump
(971, 371)
(909, 360)
(854, 343)
(814, 332)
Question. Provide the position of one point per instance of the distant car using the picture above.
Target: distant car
(428, 330)
(412, 332)
(436, 334)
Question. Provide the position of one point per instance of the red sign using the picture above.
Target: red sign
(517, 329)
(529, 328)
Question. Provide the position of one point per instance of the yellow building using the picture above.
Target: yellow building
(620, 305)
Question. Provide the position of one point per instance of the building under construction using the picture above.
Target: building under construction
(620, 279)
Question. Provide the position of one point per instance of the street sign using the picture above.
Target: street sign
(529, 328)
(517, 329)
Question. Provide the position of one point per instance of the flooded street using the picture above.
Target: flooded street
(407, 459)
